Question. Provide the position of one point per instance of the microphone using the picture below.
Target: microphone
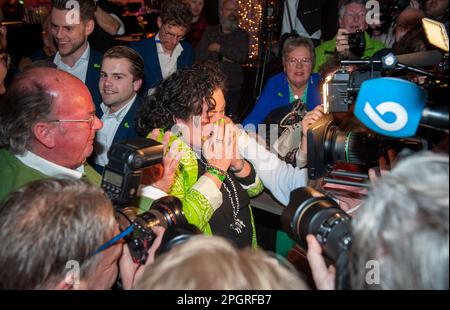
(421, 59)
(387, 60)
(390, 106)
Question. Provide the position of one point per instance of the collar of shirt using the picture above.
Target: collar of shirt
(176, 52)
(79, 69)
(120, 114)
(48, 168)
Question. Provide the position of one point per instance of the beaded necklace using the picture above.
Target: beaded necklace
(237, 224)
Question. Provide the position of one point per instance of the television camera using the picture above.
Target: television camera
(391, 109)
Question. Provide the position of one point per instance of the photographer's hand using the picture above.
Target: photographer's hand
(342, 46)
(310, 118)
(131, 272)
(324, 277)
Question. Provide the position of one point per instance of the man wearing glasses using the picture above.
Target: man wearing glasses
(47, 129)
(167, 51)
(352, 19)
(68, 254)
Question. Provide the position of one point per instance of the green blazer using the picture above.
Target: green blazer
(14, 174)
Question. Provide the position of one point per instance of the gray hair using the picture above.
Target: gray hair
(26, 103)
(294, 42)
(404, 227)
(47, 223)
(211, 262)
(344, 6)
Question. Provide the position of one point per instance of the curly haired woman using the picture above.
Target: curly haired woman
(214, 183)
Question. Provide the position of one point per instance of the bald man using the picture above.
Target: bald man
(47, 129)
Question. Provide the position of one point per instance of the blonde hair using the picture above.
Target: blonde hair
(212, 263)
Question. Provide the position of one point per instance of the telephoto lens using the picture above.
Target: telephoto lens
(166, 212)
(311, 212)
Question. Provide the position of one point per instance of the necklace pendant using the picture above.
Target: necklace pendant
(237, 226)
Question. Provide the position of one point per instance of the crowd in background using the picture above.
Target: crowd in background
(63, 107)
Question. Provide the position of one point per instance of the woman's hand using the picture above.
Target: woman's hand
(219, 148)
(237, 162)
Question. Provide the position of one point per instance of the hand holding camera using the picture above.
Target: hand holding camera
(342, 46)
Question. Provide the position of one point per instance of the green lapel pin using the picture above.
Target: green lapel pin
(96, 66)
(126, 125)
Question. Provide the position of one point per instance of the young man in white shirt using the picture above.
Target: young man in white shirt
(71, 26)
(121, 77)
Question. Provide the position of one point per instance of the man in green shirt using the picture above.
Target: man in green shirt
(352, 18)
(47, 129)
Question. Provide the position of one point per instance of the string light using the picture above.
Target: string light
(250, 13)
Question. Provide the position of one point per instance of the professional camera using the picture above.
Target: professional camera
(340, 89)
(357, 43)
(328, 144)
(311, 212)
(123, 173)
(166, 212)
(121, 181)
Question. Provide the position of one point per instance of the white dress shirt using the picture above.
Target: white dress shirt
(80, 67)
(167, 62)
(48, 168)
(105, 136)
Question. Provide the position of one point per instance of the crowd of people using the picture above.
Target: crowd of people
(61, 113)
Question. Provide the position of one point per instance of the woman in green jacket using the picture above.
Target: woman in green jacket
(213, 182)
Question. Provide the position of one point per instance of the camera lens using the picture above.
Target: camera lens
(166, 212)
(311, 212)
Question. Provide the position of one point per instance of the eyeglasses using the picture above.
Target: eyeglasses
(295, 61)
(115, 239)
(6, 60)
(354, 14)
(170, 35)
(90, 121)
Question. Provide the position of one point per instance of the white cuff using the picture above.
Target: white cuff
(208, 188)
(151, 192)
(121, 30)
(301, 158)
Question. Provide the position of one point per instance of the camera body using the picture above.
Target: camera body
(122, 175)
(357, 43)
(121, 180)
(343, 87)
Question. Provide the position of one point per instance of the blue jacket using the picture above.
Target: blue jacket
(93, 75)
(126, 128)
(147, 49)
(276, 94)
